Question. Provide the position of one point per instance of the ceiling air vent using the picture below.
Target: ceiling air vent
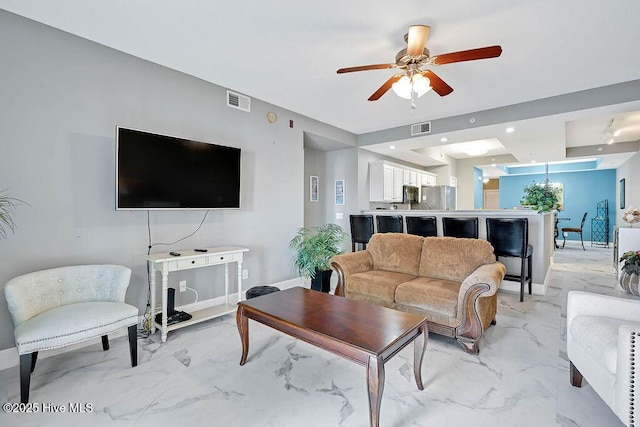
(420, 128)
(241, 102)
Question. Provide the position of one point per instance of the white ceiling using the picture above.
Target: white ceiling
(287, 52)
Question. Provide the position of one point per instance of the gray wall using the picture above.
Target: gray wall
(62, 97)
(630, 171)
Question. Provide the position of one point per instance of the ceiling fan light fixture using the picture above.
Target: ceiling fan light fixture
(406, 87)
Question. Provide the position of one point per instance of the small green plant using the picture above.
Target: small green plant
(7, 209)
(314, 248)
(631, 262)
(540, 196)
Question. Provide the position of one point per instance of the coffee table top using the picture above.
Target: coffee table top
(367, 326)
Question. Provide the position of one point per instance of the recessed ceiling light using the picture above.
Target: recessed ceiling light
(443, 139)
(599, 148)
(509, 130)
(392, 147)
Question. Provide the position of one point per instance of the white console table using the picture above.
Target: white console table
(166, 263)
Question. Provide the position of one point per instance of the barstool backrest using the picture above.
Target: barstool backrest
(361, 228)
(424, 226)
(508, 236)
(389, 223)
(460, 227)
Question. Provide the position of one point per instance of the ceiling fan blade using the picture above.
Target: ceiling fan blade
(384, 88)
(437, 84)
(467, 55)
(366, 67)
(417, 39)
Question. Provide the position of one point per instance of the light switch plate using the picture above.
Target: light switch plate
(339, 215)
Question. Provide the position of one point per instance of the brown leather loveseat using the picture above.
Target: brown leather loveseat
(452, 281)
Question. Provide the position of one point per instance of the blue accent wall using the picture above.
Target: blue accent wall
(582, 190)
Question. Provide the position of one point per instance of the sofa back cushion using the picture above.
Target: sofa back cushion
(397, 252)
(454, 258)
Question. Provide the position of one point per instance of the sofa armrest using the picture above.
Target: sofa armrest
(589, 304)
(487, 274)
(348, 264)
(626, 372)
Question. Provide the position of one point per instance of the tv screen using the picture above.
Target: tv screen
(164, 172)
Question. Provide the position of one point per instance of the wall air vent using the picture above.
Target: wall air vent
(420, 128)
(241, 102)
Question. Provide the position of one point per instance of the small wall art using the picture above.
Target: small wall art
(339, 191)
(313, 189)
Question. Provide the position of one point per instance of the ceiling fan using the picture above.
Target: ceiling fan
(413, 81)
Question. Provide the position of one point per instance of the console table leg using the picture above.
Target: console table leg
(243, 328)
(419, 347)
(375, 383)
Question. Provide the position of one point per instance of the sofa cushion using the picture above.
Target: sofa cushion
(429, 294)
(454, 258)
(599, 337)
(378, 284)
(397, 252)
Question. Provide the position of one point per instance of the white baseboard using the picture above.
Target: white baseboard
(9, 357)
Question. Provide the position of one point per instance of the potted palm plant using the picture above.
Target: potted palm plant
(7, 209)
(314, 247)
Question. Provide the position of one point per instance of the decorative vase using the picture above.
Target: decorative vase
(630, 283)
(322, 281)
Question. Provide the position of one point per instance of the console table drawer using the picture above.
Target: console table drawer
(186, 263)
(220, 258)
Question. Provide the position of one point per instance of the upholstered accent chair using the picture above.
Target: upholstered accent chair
(61, 306)
(603, 342)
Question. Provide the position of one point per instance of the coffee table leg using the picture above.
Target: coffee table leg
(375, 383)
(419, 346)
(243, 328)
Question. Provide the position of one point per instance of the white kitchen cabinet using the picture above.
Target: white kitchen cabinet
(385, 183)
(428, 179)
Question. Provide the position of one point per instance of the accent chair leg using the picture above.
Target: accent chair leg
(353, 246)
(564, 240)
(26, 360)
(469, 346)
(575, 375)
(133, 345)
(34, 357)
(582, 241)
(105, 342)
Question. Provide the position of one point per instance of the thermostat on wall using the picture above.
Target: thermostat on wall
(271, 117)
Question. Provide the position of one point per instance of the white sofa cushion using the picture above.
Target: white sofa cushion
(599, 337)
(73, 323)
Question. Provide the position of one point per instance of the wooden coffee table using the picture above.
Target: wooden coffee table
(363, 333)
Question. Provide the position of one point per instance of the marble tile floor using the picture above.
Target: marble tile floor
(520, 378)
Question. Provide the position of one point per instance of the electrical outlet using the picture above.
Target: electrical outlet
(183, 285)
(245, 274)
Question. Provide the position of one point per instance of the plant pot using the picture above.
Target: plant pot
(322, 281)
(630, 283)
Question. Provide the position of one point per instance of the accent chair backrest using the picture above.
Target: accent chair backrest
(34, 293)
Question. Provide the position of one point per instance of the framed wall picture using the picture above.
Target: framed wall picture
(313, 188)
(622, 201)
(339, 191)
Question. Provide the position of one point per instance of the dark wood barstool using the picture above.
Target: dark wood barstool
(460, 227)
(361, 230)
(510, 237)
(424, 226)
(389, 223)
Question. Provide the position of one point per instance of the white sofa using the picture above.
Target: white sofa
(603, 334)
(66, 305)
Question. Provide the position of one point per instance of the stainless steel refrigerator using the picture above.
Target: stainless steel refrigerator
(438, 197)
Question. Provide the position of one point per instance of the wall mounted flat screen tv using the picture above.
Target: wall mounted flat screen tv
(160, 172)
